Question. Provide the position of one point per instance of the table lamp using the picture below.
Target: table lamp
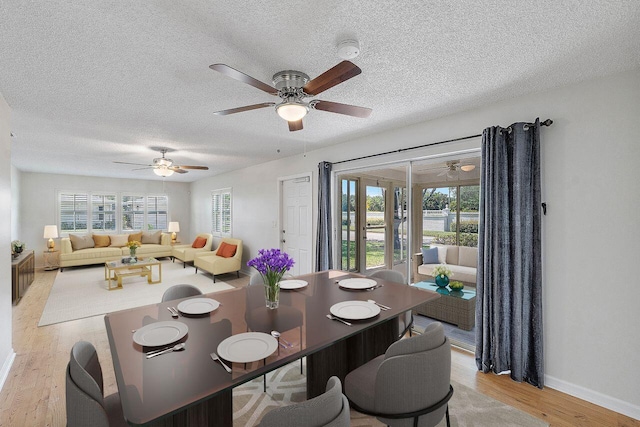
(51, 232)
(174, 227)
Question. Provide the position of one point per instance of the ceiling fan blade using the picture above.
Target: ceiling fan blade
(336, 107)
(238, 75)
(141, 169)
(135, 164)
(444, 172)
(202, 168)
(334, 76)
(245, 108)
(294, 126)
(177, 169)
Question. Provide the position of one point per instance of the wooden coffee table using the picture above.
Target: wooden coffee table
(456, 307)
(114, 271)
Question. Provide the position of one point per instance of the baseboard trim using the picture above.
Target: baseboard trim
(6, 367)
(594, 397)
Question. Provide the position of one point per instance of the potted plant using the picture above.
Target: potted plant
(271, 264)
(442, 273)
(133, 246)
(17, 247)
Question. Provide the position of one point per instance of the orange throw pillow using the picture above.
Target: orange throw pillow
(199, 242)
(226, 250)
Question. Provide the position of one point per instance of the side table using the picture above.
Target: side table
(456, 307)
(51, 260)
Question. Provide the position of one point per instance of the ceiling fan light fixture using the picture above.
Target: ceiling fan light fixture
(468, 168)
(163, 172)
(292, 111)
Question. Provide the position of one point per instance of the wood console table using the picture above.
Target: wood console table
(22, 274)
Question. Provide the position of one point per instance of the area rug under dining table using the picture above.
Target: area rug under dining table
(286, 386)
(82, 291)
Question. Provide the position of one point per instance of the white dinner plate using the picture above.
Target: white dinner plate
(198, 306)
(160, 333)
(292, 284)
(247, 347)
(355, 310)
(357, 283)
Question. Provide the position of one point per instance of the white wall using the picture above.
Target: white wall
(591, 238)
(15, 203)
(38, 202)
(6, 350)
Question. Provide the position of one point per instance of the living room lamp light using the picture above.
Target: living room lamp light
(51, 232)
(174, 227)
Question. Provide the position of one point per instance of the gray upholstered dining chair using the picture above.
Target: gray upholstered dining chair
(405, 320)
(180, 291)
(409, 385)
(330, 409)
(86, 405)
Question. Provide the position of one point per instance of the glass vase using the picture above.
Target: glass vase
(272, 294)
(132, 253)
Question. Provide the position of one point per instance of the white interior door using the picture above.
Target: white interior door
(296, 232)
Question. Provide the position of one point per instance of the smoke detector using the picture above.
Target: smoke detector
(348, 49)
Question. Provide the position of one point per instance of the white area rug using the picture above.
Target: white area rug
(82, 292)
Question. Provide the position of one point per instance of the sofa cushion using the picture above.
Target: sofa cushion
(101, 240)
(79, 241)
(468, 257)
(225, 250)
(199, 242)
(151, 237)
(135, 236)
(442, 254)
(452, 254)
(119, 240)
(430, 256)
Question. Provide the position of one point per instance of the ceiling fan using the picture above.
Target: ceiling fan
(293, 87)
(452, 167)
(164, 167)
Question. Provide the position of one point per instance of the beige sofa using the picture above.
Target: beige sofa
(187, 253)
(71, 258)
(214, 264)
(462, 260)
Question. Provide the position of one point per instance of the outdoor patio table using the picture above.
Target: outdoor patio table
(188, 388)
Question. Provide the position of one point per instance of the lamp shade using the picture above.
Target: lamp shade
(50, 232)
(292, 111)
(174, 227)
(163, 171)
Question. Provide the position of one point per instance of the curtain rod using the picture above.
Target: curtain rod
(547, 122)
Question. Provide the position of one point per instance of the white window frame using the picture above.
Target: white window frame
(142, 210)
(222, 216)
(75, 212)
(114, 212)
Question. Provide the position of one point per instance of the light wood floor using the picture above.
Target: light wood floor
(34, 393)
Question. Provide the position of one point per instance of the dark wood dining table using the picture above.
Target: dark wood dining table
(188, 388)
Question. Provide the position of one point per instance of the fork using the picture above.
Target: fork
(215, 357)
(173, 311)
(332, 317)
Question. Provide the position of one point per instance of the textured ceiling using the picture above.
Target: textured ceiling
(94, 82)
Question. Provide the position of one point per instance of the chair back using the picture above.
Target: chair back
(415, 374)
(180, 291)
(255, 279)
(209, 237)
(330, 409)
(84, 388)
(389, 275)
(406, 319)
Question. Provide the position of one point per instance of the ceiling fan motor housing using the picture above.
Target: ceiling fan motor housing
(289, 80)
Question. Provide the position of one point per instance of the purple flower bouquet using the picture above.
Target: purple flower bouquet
(272, 264)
